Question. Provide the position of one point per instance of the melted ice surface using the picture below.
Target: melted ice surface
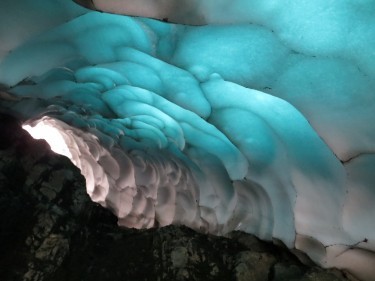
(260, 122)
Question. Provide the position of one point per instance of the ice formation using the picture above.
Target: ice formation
(259, 120)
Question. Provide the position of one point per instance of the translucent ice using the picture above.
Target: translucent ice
(260, 121)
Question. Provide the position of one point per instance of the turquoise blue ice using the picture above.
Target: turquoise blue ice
(260, 119)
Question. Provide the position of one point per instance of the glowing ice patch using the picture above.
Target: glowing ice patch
(44, 130)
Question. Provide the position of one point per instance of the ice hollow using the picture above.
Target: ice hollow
(260, 120)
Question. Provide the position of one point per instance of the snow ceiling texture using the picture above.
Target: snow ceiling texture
(261, 119)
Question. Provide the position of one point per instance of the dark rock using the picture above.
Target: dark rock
(253, 266)
(287, 272)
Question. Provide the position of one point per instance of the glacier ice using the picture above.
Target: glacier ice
(260, 119)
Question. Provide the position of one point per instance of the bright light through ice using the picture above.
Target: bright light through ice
(52, 135)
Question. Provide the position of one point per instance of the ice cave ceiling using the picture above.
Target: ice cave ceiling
(249, 115)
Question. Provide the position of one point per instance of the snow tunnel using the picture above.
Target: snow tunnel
(218, 115)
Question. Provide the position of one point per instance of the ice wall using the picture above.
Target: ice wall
(261, 121)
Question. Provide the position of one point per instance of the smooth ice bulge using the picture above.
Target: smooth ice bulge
(260, 121)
